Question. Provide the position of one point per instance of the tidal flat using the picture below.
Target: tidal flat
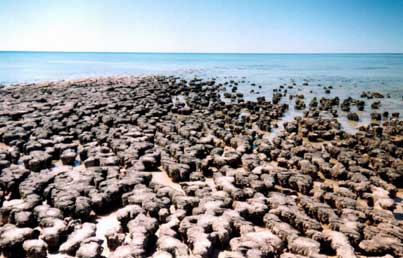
(160, 166)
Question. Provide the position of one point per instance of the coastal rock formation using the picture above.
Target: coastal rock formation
(189, 168)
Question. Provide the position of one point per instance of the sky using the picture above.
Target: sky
(234, 26)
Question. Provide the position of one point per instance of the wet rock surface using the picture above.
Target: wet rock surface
(188, 171)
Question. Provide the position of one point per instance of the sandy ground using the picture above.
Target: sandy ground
(104, 224)
(3, 146)
(163, 178)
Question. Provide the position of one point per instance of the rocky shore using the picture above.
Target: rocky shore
(162, 167)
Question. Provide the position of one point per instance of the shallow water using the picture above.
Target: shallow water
(348, 74)
(336, 69)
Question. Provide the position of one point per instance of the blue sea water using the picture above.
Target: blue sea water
(18, 67)
(348, 74)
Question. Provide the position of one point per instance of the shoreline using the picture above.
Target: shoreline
(68, 82)
(309, 189)
(350, 126)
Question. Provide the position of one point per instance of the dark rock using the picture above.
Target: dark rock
(90, 248)
(376, 116)
(74, 240)
(35, 248)
(12, 239)
(68, 157)
(353, 116)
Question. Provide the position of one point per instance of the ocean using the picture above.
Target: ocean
(348, 74)
(16, 67)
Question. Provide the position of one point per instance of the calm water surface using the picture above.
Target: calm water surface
(37, 66)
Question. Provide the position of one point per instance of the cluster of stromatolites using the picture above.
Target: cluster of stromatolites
(189, 173)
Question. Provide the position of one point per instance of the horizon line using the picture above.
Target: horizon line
(166, 52)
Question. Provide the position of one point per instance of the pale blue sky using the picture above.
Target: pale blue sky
(202, 25)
